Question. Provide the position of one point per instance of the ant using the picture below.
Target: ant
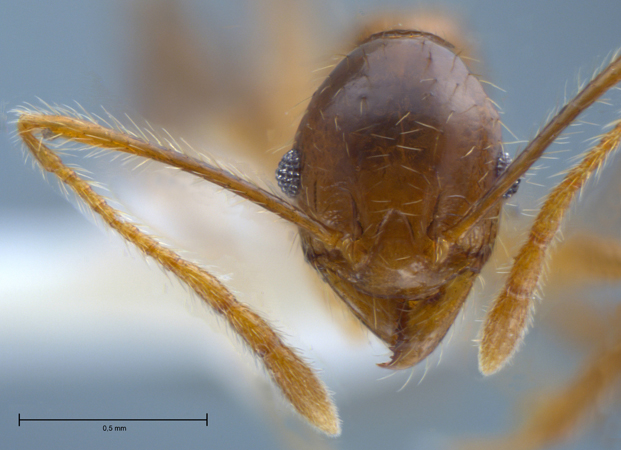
(395, 180)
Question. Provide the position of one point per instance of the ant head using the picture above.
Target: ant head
(395, 147)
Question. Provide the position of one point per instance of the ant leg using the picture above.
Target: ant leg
(585, 257)
(508, 319)
(295, 378)
(569, 410)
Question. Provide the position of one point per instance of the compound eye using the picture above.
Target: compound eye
(288, 173)
(503, 162)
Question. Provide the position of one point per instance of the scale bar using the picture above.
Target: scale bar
(20, 420)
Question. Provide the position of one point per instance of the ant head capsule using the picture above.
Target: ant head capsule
(396, 145)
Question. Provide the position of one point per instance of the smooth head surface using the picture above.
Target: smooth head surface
(398, 142)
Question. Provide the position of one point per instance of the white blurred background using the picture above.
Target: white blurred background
(89, 330)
